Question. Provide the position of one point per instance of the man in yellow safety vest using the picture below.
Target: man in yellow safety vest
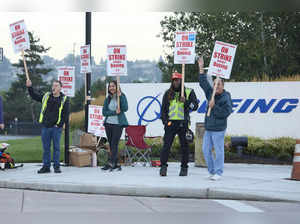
(175, 117)
(55, 108)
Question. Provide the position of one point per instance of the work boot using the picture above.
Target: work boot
(44, 170)
(183, 172)
(57, 170)
(163, 171)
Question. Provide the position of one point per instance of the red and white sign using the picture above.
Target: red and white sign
(96, 121)
(185, 47)
(85, 61)
(19, 36)
(116, 60)
(67, 77)
(222, 60)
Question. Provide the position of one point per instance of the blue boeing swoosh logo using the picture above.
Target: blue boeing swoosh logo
(153, 99)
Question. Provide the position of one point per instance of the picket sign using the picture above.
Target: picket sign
(85, 62)
(184, 51)
(20, 40)
(117, 64)
(221, 64)
(96, 121)
(66, 74)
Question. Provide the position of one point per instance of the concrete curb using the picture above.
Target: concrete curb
(127, 190)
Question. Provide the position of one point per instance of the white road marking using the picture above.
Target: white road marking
(238, 206)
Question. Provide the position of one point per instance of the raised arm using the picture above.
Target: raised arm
(203, 82)
(33, 95)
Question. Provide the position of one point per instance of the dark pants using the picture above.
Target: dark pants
(179, 128)
(113, 133)
(49, 135)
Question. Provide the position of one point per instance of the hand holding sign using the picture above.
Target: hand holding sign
(28, 83)
(211, 103)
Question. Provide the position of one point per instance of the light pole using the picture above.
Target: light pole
(88, 31)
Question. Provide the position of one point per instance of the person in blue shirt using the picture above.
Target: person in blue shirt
(215, 124)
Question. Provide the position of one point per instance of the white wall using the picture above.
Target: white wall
(281, 119)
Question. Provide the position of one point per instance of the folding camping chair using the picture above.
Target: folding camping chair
(136, 149)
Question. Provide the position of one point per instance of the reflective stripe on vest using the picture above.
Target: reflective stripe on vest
(60, 109)
(44, 106)
(176, 108)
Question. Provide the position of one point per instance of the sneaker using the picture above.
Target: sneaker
(163, 171)
(116, 167)
(209, 176)
(183, 172)
(44, 170)
(106, 167)
(216, 177)
(57, 170)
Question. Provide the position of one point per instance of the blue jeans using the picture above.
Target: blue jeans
(214, 139)
(48, 135)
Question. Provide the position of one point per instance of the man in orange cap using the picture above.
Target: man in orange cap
(175, 117)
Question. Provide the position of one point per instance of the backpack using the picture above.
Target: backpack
(7, 160)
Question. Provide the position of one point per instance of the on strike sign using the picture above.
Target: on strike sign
(85, 62)
(19, 36)
(96, 121)
(116, 60)
(67, 77)
(222, 60)
(185, 47)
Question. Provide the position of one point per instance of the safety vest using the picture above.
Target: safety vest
(176, 108)
(44, 106)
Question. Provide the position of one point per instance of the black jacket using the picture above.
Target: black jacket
(51, 112)
(190, 104)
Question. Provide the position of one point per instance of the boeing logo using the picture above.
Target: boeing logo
(149, 107)
(284, 105)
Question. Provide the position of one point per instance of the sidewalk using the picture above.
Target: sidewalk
(14, 137)
(240, 181)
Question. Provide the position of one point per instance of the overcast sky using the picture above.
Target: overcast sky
(62, 29)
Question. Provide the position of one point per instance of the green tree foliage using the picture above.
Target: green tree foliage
(77, 102)
(268, 42)
(17, 102)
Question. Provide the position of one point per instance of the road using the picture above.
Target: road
(24, 206)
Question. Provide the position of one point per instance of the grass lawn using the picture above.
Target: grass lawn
(31, 150)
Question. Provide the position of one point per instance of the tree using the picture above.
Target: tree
(17, 102)
(77, 102)
(267, 41)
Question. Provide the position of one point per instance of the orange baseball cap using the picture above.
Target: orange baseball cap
(176, 75)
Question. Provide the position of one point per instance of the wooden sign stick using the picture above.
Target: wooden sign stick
(182, 81)
(118, 88)
(25, 66)
(213, 95)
